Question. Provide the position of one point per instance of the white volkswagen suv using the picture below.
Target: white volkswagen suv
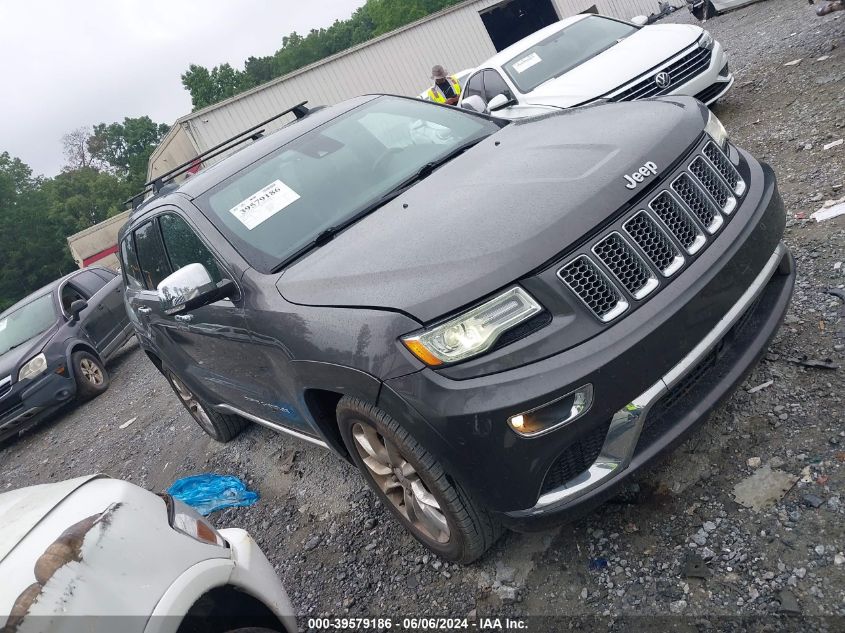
(585, 58)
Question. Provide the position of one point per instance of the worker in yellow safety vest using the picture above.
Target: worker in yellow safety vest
(446, 88)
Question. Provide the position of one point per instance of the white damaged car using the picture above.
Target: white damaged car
(98, 555)
(586, 58)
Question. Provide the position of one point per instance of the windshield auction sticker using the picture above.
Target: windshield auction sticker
(264, 204)
(526, 62)
(3, 325)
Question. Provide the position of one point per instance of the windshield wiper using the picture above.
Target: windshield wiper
(327, 235)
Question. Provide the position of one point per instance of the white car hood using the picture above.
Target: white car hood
(635, 55)
(21, 510)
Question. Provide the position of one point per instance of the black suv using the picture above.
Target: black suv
(54, 345)
(497, 322)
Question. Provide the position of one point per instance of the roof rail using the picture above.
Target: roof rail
(300, 111)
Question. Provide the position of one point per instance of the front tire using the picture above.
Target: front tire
(223, 428)
(437, 511)
(90, 375)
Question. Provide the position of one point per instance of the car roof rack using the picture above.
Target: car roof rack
(300, 111)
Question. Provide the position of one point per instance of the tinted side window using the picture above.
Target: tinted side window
(494, 85)
(184, 247)
(69, 295)
(129, 259)
(151, 256)
(475, 86)
(88, 282)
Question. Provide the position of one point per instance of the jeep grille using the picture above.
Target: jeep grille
(619, 268)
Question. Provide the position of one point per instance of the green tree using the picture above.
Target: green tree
(32, 248)
(124, 149)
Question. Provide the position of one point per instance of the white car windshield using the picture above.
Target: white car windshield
(325, 178)
(566, 49)
(24, 323)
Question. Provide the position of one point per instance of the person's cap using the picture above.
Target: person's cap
(438, 72)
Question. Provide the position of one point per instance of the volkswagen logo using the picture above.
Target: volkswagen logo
(663, 79)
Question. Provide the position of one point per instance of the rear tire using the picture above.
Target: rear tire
(221, 427)
(90, 375)
(436, 510)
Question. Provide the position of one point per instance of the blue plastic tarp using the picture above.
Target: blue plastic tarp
(209, 492)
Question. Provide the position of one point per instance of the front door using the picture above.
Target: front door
(208, 348)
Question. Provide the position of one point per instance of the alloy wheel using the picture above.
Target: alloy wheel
(400, 483)
(193, 405)
(91, 371)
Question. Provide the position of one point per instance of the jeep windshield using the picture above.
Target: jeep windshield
(566, 49)
(25, 323)
(306, 191)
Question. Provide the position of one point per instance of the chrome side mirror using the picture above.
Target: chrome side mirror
(191, 287)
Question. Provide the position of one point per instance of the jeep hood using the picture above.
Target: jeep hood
(615, 67)
(514, 202)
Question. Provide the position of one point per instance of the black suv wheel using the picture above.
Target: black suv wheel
(410, 482)
(222, 428)
(91, 377)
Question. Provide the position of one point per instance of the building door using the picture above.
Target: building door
(510, 21)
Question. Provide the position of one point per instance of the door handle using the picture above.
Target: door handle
(145, 310)
(184, 318)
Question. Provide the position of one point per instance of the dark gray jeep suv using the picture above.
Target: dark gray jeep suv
(498, 323)
(54, 345)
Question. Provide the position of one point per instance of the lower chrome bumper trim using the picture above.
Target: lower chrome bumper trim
(627, 423)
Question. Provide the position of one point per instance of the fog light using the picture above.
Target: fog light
(554, 414)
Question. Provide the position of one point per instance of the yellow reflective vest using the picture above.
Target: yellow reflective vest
(436, 94)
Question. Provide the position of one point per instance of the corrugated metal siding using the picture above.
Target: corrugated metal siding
(398, 62)
(176, 148)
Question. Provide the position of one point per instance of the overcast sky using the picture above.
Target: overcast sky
(68, 64)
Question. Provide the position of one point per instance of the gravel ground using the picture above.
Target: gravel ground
(676, 541)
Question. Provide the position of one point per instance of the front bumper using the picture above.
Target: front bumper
(32, 400)
(463, 422)
(663, 414)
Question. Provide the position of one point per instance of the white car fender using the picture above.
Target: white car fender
(247, 570)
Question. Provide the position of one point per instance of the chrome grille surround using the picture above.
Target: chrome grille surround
(725, 167)
(702, 207)
(657, 245)
(715, 185)
(594, 288)
(692, 62)
(615, 270)
(5, 386)
(626, 265)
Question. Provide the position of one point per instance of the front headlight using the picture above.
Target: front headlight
(716, 131)
(473, 332)
(183, 518)
(706, 41)
(34, 367)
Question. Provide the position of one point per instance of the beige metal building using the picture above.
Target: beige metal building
(98, 244)
(398, 62)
